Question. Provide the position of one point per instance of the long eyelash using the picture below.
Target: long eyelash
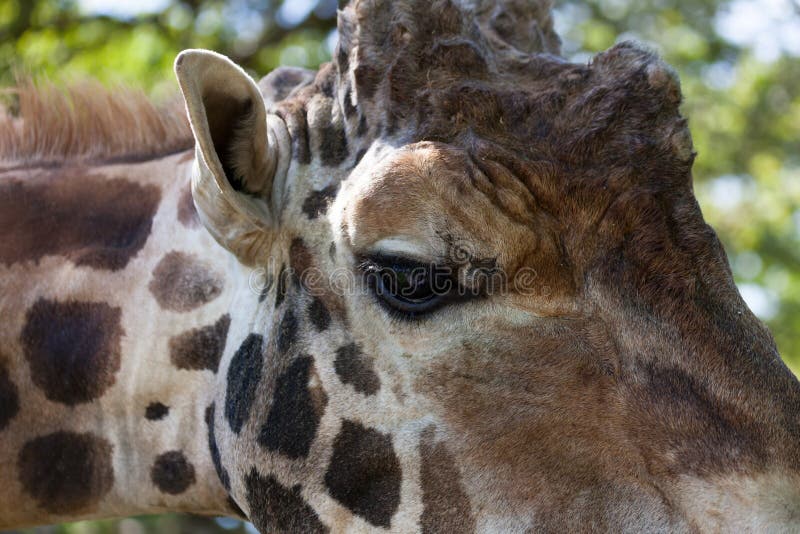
(390, 260)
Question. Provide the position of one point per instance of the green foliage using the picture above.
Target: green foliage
(56, 39)
(743, 106)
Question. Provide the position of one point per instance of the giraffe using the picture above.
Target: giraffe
(450, 282)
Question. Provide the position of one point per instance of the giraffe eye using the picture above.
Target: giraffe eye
(408, 288)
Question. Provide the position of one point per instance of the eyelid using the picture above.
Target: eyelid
(402, 262)
(401, 247)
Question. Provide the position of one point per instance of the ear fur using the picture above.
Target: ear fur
(242, 153)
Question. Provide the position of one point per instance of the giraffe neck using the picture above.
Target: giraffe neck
(114, 320)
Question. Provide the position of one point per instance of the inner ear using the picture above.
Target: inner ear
(231, 122)
(243, 153)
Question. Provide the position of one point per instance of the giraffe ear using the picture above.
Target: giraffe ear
(242, 153)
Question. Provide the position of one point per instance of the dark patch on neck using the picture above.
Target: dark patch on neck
(66, 472)
(287, 332)
(333, 145)
(182, 282)
(364, 473)
(156, 411)
(213, 449)
(317, 202)
(301, 262)
(9, 396)
(200, 348)
(296, 411)
(276, 508)
(73, 348)
(342, 59)
(367, 81)
(356, 369)
(172, 473)
(92, 220)
(445, 505)
(319, 315)
(244, 374)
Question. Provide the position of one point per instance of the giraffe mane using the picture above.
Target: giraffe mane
(87, 122)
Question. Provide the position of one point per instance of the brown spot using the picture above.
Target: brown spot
(342, 57)
(182, 282)
(319, 315)
(354, 368)
(276, 508)
(317, 202)
(9, 397)
(297, 408)
(301, 262)
(187, 213)
(90, 219)
(367, 81)
(244, 374)
(172, 473)
(200, 348)
(73, 348)
(333, 145)
(364, 473)
(156, 411)
(66, 472)
(445, 504)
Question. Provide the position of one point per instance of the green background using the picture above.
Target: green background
(738, 61)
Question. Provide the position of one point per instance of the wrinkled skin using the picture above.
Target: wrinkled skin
(591, 365)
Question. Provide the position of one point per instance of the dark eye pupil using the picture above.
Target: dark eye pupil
(408, 288)
(410, 284)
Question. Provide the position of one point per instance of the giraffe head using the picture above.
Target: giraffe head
(476, 289)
